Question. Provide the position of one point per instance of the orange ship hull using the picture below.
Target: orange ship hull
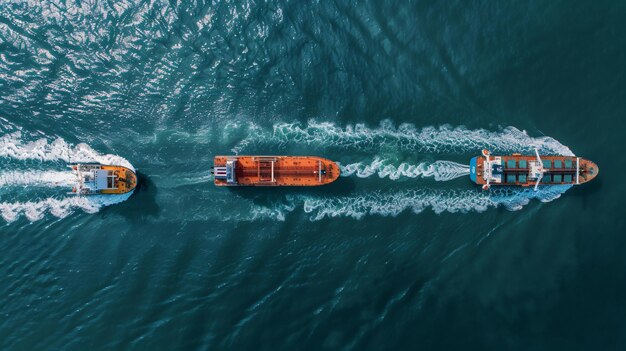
(273, 171)
(99, 179)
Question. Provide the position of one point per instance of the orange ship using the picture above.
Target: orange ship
(273, 171)
(526, 171)
(99, 179)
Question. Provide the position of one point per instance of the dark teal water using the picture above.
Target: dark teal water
(398, 254)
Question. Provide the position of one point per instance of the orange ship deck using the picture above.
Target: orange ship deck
(125, 180)
(118, 179)
(274, 171)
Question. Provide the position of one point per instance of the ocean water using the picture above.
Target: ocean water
(402, 252)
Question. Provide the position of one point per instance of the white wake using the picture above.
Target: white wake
(60, 208)
(37, 178)
(443, 139)
(439, 170)
(12, 146)
(414, 200)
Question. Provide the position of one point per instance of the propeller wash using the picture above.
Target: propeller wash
(95, 181)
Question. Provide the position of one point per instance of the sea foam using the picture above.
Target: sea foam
(13, 146)
(58, 207)
(439, 170)
(37, 178)
(415, 200)
(407, 137)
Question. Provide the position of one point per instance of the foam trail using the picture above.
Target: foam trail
(60, 208)
(440, 170)
(37, 178)
(415, 200)
(12, 146)
(443, 139)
